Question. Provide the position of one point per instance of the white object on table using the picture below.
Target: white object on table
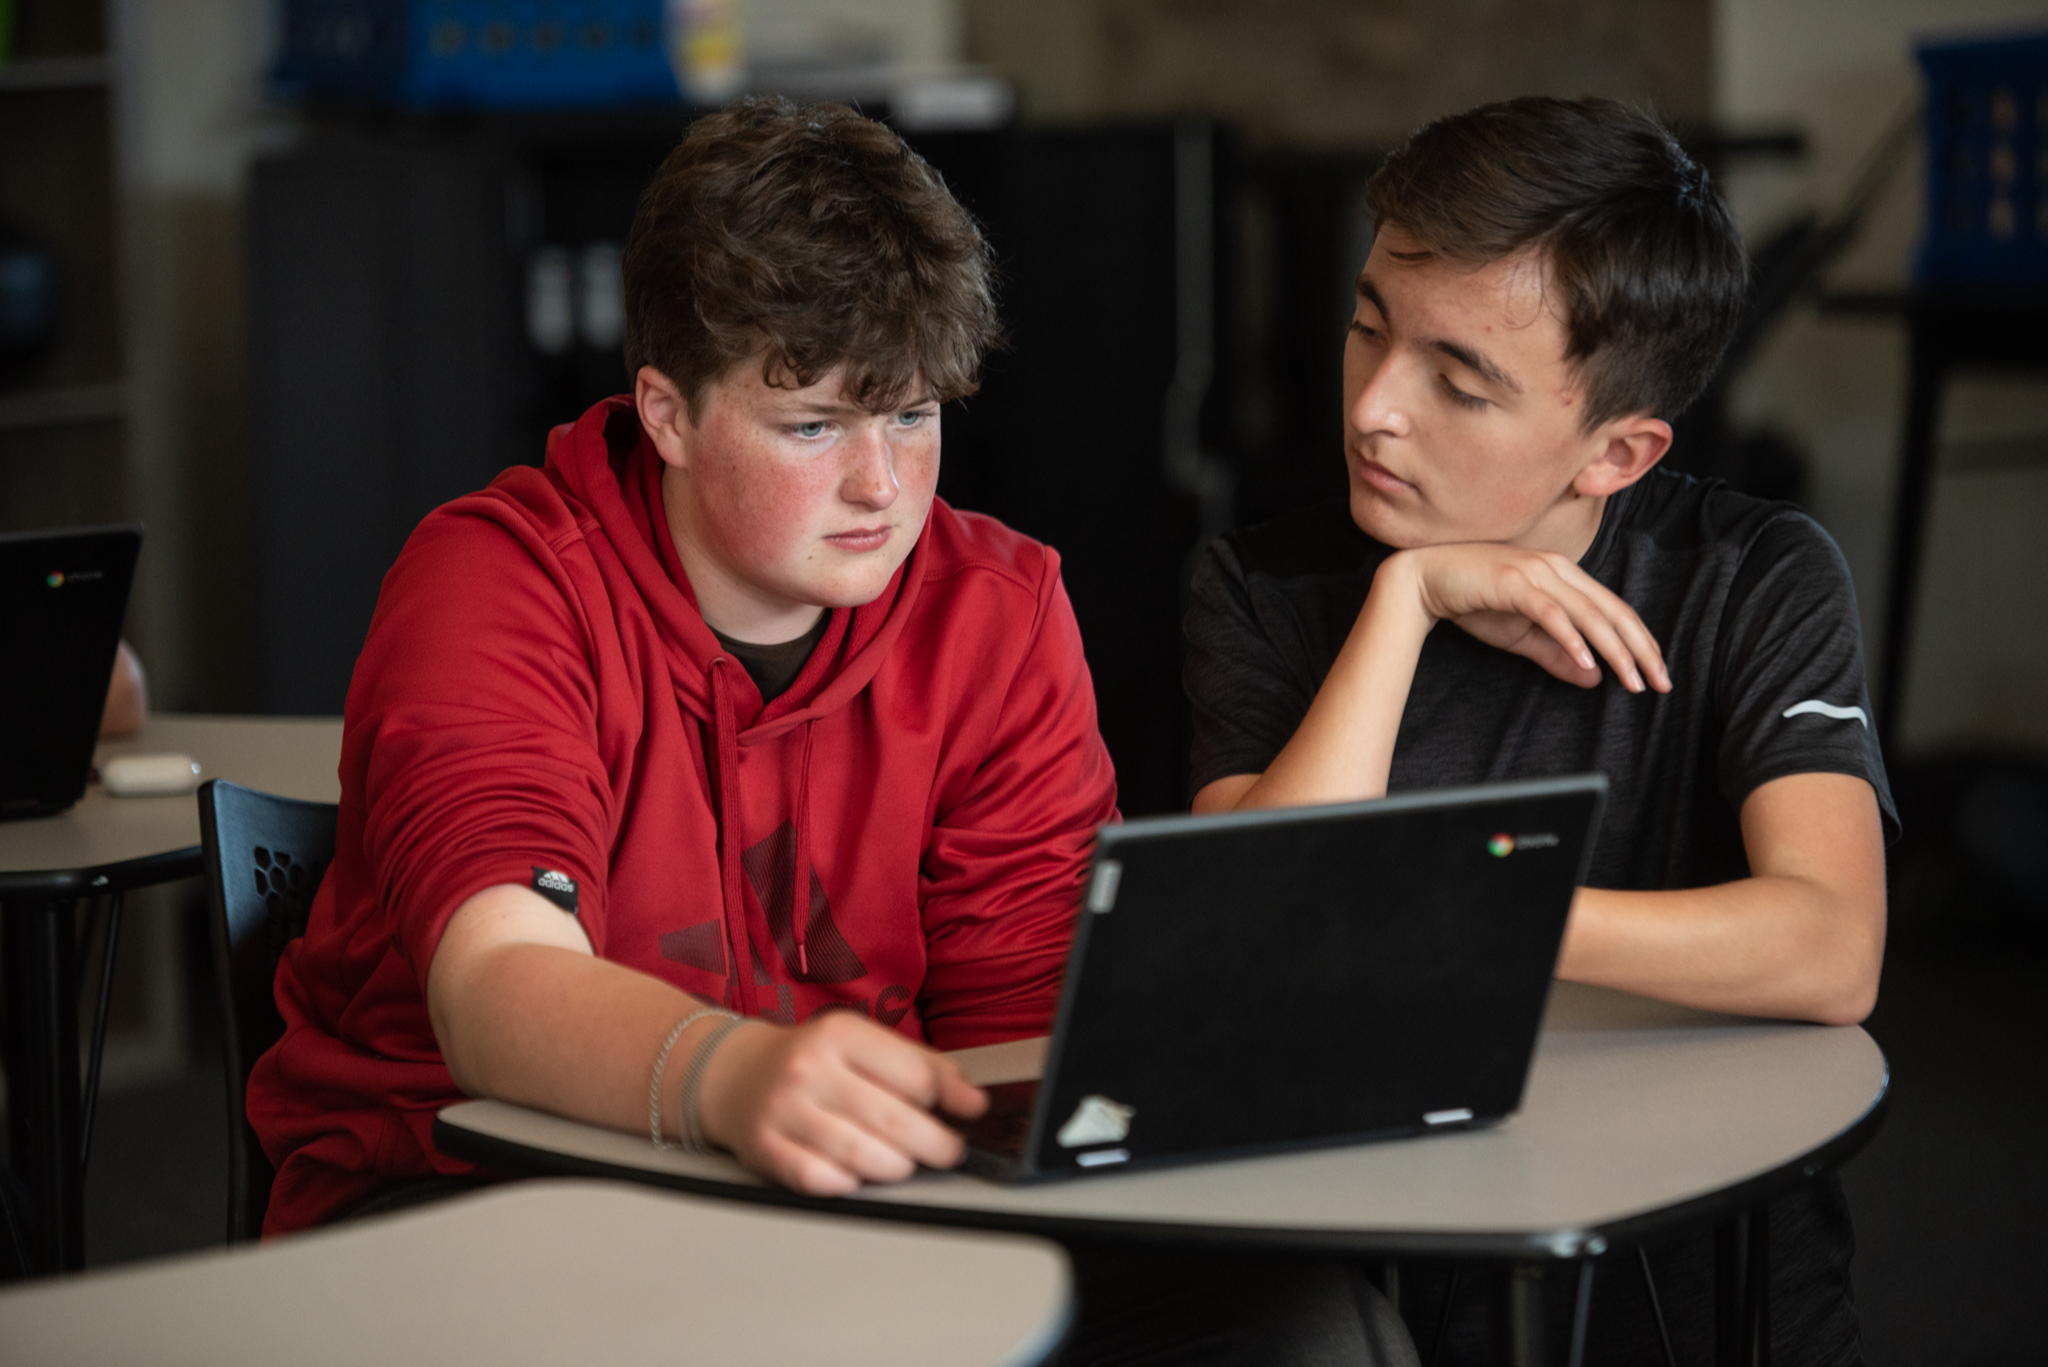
(150, 775)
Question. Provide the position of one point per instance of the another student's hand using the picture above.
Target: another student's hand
(127, 706)
(1538, 605)
(833, 1103)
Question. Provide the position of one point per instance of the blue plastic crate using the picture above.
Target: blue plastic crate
(1987, 163)
(473, 54)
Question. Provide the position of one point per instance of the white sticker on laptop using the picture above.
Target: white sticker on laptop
(1097, 1120)
(1096, 1158)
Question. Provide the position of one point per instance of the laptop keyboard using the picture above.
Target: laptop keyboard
(1005, 1127)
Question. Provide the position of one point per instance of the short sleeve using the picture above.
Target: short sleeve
(1790, 673)
(1246, 699)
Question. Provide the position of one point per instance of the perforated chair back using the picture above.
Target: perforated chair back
(264, 858)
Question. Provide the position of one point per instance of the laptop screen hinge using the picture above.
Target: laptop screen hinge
(1102, 888)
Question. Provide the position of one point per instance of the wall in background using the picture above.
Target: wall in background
(1338, 73)
(1842, 70)
(190, 121)
(920, 32)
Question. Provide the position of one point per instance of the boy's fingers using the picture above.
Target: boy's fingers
(958, 1096)
(1642, 647)
(1612, 648)
(802, 1169)
(848, 1145)
(1585, 621)
(891, 1061)
(1548, 613)
(1550, 657)
(932, 1081)
(1611, 625)
(844, 1102)
(906, 1129)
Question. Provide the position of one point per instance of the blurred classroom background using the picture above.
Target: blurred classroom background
(277, 278)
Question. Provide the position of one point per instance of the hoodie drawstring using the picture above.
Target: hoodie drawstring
(800, 867)
(739, 991)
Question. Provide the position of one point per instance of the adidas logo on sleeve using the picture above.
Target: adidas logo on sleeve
(558, 888)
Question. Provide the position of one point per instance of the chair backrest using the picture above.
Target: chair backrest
(264, 858)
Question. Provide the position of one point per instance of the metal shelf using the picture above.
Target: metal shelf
(54, 73)
(64, 406)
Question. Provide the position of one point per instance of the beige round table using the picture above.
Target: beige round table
(1639, 1116)
(540, 1274)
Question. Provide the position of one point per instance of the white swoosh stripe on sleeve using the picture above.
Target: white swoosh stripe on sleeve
(1828, 709)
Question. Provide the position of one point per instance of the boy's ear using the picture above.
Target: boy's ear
(665, 415)
(1632, 447)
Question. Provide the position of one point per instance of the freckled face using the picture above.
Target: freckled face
(1461, 414)
(784, 501)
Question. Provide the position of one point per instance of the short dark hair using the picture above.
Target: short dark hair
(1639, 242)
(817, 235)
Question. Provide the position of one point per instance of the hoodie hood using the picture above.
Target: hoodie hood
(605, 463)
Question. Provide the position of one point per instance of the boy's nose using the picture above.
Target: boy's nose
(871, 474)
(1383, 404)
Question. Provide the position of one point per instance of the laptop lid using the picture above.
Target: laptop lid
(1306, 976)
(62, 596)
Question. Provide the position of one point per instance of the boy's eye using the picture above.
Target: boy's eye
(912, 417)
(809, 429)
(1366, 331)
(1459, 396)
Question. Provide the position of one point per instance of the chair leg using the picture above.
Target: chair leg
(1656, 1306)
(42, 1083)
(1443, 1318)
(99, 1033)
(1582, 1314)
(14, 1194)
(1756, 1327)
(1527, 1332)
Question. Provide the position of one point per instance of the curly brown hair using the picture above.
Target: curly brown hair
(812, 238)
(1638, 241)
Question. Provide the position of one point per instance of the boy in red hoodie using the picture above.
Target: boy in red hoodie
(718, 750)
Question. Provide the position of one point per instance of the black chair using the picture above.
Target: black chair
(264, 858)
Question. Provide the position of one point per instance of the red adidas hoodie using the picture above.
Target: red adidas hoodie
(903, 832)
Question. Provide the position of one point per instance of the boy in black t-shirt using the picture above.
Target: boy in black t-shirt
(1551, 282)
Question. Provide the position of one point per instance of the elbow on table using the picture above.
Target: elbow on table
(1850, 1007)
(454, 1054)
(1845, 992)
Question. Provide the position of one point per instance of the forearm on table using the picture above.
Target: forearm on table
(559, 1030)
(1344, 747)
(1781, 946)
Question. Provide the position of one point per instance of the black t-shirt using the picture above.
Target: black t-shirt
(1750, 602)
(774, 667)
(1752, 606)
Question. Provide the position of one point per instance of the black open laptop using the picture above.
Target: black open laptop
(62, 597)
(1299, 977)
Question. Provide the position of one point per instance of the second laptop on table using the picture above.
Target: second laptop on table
(62, 597)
